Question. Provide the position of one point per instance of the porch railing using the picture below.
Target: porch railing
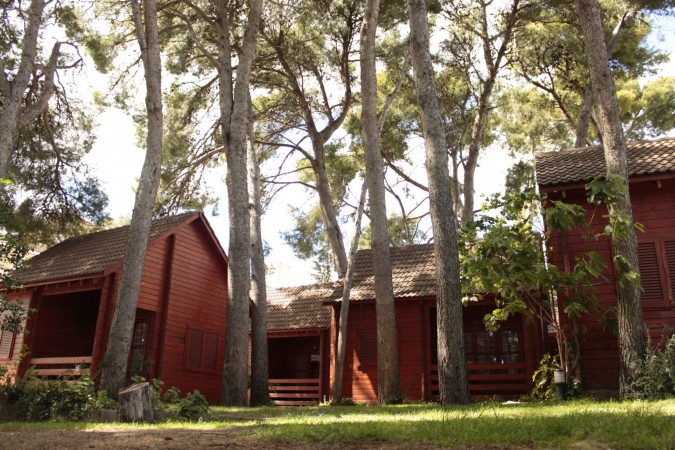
(294, 392)
(69, 366)
(490, 380)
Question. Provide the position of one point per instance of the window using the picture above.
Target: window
(487, 347)
(482, 346)
(6, 341)
(137, 352)
(201, 350)
(656, 258)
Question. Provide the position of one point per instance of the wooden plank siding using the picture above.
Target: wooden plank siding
(197, 299)
(653, 204)
(183, 288)
(417, 370)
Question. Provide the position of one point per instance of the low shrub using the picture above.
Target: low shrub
(656, 374)
(193, 405)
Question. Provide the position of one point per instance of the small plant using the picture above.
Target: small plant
(544, 388)
(193, 405)
(346, 401)
(656, 374)
(102, 401)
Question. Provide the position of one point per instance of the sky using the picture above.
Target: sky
(117, 160)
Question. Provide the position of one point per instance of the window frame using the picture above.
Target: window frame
(665, 276)
(12, 342)
(201, 368)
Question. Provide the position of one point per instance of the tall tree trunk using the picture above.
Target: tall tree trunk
(452, 374)
(388, 376)
(114, 370)
(586, 111)
(344, 308)
(13, 90)
(493, 63)
(624, 248)
(260, 394)
(328, 212)
(234, 116)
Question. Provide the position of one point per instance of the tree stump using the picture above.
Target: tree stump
(134, 403)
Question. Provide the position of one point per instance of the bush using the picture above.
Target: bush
(656, 374)
(193, 405)
(35, 399)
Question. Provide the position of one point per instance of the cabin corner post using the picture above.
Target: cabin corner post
(171, 255)
(31, 324)
(102, 323)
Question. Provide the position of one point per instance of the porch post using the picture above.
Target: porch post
(321, 357)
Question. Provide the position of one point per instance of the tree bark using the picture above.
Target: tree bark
(346, 292)
(452, 373)
(586, 112)
(13, 90)
(234, 116)
(388, 377)
(624, 248)
(260, 394)
(135, 404)
(114, 370)
(328, 212)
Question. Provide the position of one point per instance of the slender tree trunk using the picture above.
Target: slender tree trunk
(584, 117)
(624, 248)
(493, 63)
(452, 374)
(260, 394)
(586, 112)
(328, 212)
(388, 377)
(114, 370)
(346, 292)
(234, 128)
(13, 90)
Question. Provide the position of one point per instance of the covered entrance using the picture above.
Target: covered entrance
(296, 370)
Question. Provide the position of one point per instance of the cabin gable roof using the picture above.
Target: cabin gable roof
(413, 276)
(580, 165)
(92, 253)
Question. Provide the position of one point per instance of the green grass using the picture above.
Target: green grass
(583, 424)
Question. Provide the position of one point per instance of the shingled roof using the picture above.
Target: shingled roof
(89, 253)
(413, 275)
(300, 307)
(580, 165)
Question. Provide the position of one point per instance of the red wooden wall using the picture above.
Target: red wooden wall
(197, 301)
(653, 206)
(183, 297)
(414, 344)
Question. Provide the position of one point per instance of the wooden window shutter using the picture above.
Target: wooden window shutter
(6, 340)
(194, 348)
(367, 348)
(650, 276)
(670, 258)
(210, 350)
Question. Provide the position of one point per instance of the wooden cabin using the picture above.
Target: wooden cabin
(179, 331)
(651, 166)
(500, 363)
(298, 339)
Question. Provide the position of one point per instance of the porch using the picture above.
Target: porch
(296, 369)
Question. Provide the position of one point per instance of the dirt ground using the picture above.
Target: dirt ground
(113, 437)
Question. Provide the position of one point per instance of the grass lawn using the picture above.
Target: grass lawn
(578, 424)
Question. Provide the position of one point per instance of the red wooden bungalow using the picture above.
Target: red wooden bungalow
(298, 325)
(500, 363)
(179, 330)
(651, 165)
